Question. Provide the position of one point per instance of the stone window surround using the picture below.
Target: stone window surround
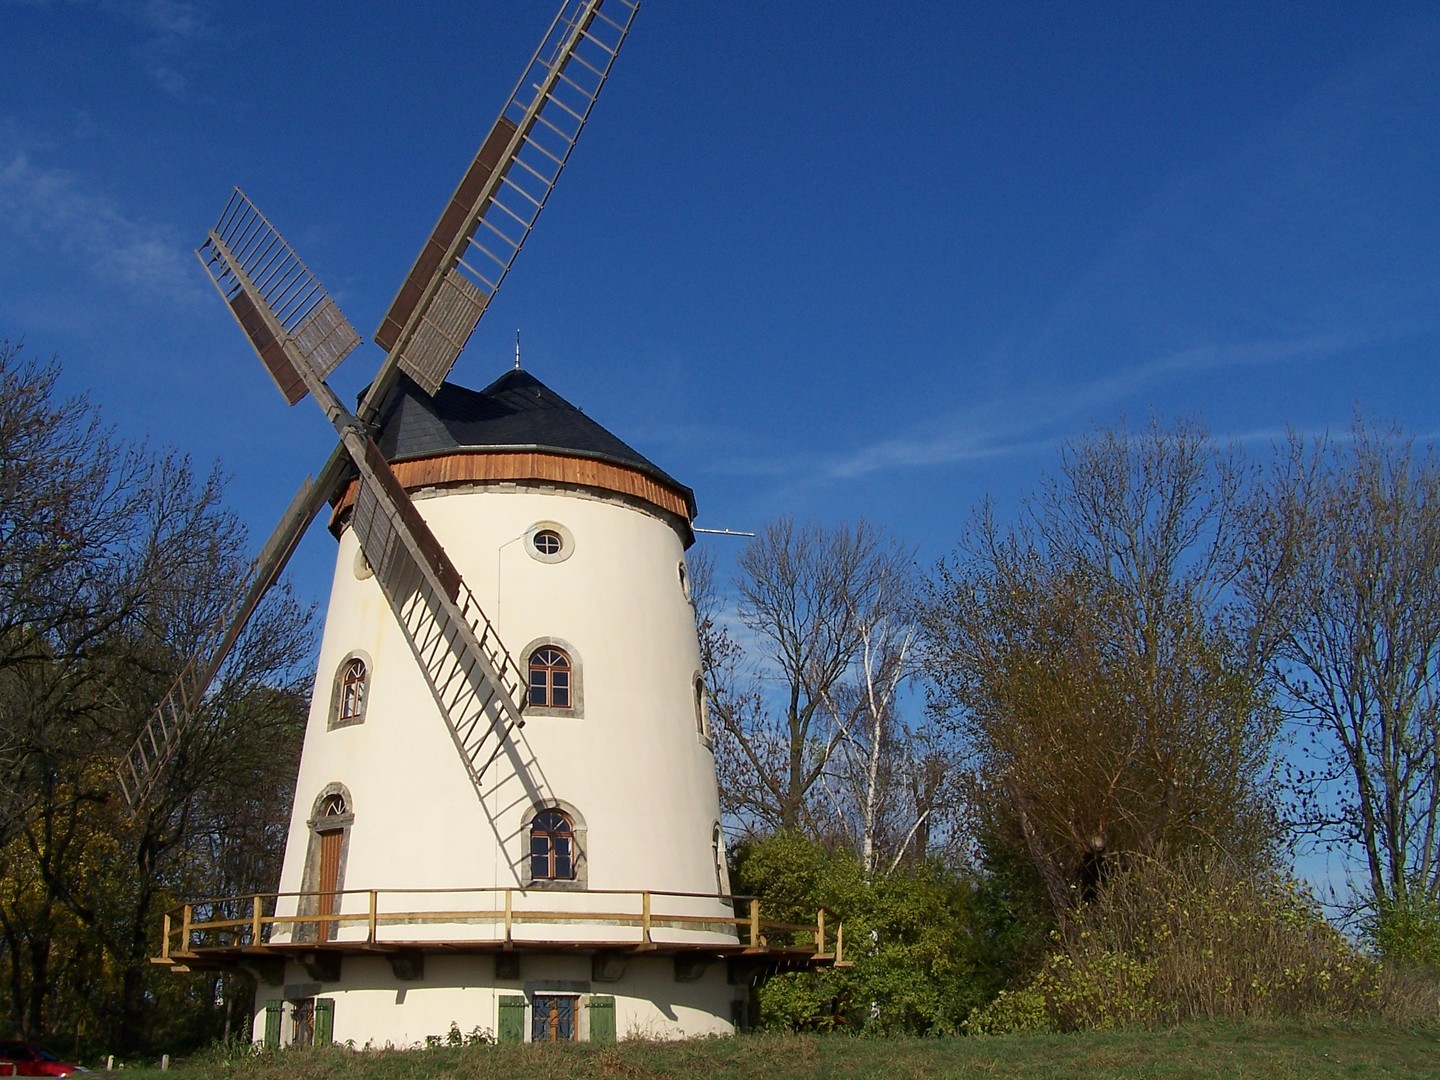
(567, 542)
(576, 711)
(702, 710)
(581, 856)
(337, 688)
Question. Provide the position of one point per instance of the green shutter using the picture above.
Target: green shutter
(602, 1019)
(324, 1021)
(273, 1012)
(512, 1019)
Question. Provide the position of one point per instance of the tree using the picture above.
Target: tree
(113, 561)
(1359, 521)
(69, 499)
(810, 598)
(1106, 674)
(890, 785)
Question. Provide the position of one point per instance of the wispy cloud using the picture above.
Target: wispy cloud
(1017, 424)
(170, 29)
(50, 207)
(173, 27)
(168, 18)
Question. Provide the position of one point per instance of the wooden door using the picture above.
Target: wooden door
(329, 902)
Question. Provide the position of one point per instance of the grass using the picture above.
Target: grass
(1210, 1050)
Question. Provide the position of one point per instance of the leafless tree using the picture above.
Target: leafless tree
(69, 498)
(808, 600)
(892, 783)
(1358, 522)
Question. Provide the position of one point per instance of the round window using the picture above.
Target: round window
(549, 542)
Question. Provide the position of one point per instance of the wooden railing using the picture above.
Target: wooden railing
(250, 921)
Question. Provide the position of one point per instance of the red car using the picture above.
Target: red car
(27, 1059)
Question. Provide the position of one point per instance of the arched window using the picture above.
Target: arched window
(352, 683)
(332, 806)
(702, 710)
(552, 846)
(550, 678)
(717, 851)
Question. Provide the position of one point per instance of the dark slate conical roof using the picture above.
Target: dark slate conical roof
(515, 412)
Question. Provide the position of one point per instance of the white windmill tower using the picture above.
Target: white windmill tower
(502, 558)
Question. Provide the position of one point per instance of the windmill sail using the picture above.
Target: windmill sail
(283, 309)
(473, 678)
(475, 681)
(152, 751)
(501, 195)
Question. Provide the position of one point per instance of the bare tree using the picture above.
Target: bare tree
(1358, 521)
(864, 714)
(806, 596)
(69, 499)
(1105, 672)
(891, 783)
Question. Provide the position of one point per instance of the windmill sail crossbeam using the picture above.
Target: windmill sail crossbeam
(282, 307)
(474, 680)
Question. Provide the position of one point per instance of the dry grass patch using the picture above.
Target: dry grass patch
(1164, 945)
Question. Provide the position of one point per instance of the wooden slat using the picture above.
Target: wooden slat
(483, 466)
(447, 229)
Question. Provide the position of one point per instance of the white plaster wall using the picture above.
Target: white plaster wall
(373, 1007)
(633, 763)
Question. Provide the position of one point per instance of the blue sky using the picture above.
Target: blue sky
(871, 259)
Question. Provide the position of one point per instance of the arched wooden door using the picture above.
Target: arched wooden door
(330, 832)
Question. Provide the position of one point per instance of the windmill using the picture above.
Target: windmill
(561, 880)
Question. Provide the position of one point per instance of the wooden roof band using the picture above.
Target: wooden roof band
(512, 465)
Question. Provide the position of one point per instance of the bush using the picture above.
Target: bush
(1166, 945)
(908, 933)
(1406, 931)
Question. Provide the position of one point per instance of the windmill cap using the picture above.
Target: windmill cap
(515, 413)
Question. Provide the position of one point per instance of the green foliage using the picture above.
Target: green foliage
(908, 934)
(1012, 918)
(1406, 930)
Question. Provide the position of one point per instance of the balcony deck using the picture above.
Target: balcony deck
(240, 930)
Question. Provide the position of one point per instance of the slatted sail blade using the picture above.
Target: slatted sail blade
(476, 683)
(282, 307)
(145, 763)
(502, 193)
(443, 331)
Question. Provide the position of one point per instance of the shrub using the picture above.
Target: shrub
(1170, 944)
(1406, 930)
(908, 934)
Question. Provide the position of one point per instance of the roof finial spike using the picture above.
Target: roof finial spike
(517, 350)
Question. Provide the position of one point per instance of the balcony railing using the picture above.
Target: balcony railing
(495, 918)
